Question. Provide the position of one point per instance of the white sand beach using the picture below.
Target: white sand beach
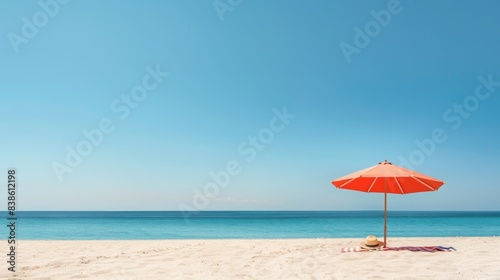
(475, 258)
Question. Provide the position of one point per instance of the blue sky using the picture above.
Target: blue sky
(231, 67)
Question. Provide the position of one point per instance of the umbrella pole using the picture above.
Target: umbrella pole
(385, 213)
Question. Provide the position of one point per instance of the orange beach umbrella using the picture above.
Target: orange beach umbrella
(387, 178)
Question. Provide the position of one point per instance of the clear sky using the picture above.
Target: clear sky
(284, 95)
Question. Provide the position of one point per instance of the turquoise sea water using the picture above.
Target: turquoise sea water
(248, 224)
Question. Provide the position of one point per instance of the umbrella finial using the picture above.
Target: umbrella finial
(385, 162)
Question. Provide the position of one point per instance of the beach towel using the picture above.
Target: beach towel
(421, 249)
(357, 249)
(404, 248)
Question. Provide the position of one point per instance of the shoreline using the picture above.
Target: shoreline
(254, 259)
(346, 239)
(281, 238)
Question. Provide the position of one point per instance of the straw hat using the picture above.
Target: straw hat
(371, 242)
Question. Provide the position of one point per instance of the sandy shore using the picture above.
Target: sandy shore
(476, 258)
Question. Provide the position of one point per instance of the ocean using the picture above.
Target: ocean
(137, 225)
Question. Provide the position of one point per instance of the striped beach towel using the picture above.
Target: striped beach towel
(421, 249)
(404, 248)
(356, 249)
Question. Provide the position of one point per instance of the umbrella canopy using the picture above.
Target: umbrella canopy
(387, 178)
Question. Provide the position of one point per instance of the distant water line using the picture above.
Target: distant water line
(139, 225)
